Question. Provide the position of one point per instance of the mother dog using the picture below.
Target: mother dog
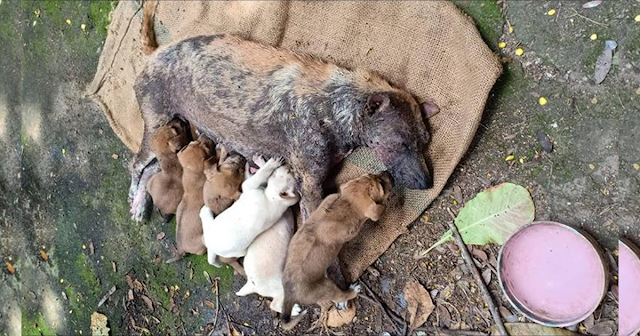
(256, 99)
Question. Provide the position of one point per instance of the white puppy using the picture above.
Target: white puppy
(264, 262)
(258, 208)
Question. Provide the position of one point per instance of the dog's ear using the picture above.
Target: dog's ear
(221, 153)
(428, 109)
(176, 143)
(377, 102)
(374, 211)
(211, 165)
(289, 195)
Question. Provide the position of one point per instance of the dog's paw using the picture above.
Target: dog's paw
(342, 305)
(259, 160)
(205, 212)
(355, 287)
(297, 310)
(139, 206)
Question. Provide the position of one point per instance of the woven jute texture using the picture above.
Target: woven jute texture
(429, 48)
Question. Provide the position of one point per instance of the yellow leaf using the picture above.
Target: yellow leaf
(209, 304)
(594, 100)
(519, 51)
(592, 166)
(638, 91)
(509, 158)
(511, 29)
(502, 45)
(593, 37)
(61, 280)
(10, 268)
(63, 151)
(521, 160)
(551, 12)
(83, 27)
(636, 166)
(542, 101)
(68, 21)
(637, 18)
(84, 247)
(44, 255)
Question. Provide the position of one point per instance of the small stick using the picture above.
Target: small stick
(215, 320)
(452, 332)
(476, 274)
(373, 298)
(575, 13)
(107, 296)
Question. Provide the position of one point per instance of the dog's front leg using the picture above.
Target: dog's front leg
(311, 193)
(262, 175)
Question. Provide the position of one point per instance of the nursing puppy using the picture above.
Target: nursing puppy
(264, 262)
(258, 208)
(189, 227)
(165, 187)
(224, 179)
(317, 243)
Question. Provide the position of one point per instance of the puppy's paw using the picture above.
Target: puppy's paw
(205, 212)
(259, 160)
(297, 310)
(139, 206)
(342, 305)
(355, 287)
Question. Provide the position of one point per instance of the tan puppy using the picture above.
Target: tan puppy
(223, 187)
(224, 179)
(189, 226)
(317, 243)
(165, 187)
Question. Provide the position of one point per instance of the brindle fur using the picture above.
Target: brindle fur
(337, 220)
(188, 224)
(165, 187)
(257, 99)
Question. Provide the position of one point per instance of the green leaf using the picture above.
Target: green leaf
(492, 216)
(528, 329)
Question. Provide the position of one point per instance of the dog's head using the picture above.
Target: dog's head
(192, 156)
(283, 182)
(369, 193)
(230, 171)
(394, 127)
(171, 138)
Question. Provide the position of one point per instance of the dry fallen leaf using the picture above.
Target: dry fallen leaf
(191, 273)
(91, 248)
(148, 301)
(115, 268)
(603, 63)
(591, 4)
(480, 254)
(605, 328)
(337, 318)
(419, 304)
(486, 276)
(115, 156)
(129, 280)
(589, 322)
(160, 235)
(44, 255)
(527, 329)
(99, 325)
(207, 276)
(10, 268)
(130, 295)
(209, 304)
(444, 316)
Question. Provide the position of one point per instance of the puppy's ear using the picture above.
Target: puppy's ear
(175, 143)
(288, 195)
(374, 211)
(210, 165)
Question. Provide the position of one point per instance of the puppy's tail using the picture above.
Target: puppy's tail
(149, 43)
(246, 289)
(287, 322)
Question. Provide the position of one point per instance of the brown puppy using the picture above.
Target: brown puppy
(189, 226)
(165, 187)
(315, 246)
(223, 187)
(224, 180)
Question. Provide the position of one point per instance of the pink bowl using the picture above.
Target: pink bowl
(553, 273)
(629, 288)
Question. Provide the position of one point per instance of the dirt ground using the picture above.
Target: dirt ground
(66, 231)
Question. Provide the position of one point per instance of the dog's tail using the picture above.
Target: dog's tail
(287, 322)
(149, 43)
(246, 289)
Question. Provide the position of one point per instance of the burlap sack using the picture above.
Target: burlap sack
(429, 48)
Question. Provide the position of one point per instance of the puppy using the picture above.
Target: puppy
(189, 227)
(165, 187)
(258, 208)
(317, 243)
(224, 179)
(264, 262)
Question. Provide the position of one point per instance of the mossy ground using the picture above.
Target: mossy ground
(62, 190)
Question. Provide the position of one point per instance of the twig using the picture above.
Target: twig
(476, 274)
(392, 316)
(452, 332)
(215, 319)
(575, 13)
(107, 296)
